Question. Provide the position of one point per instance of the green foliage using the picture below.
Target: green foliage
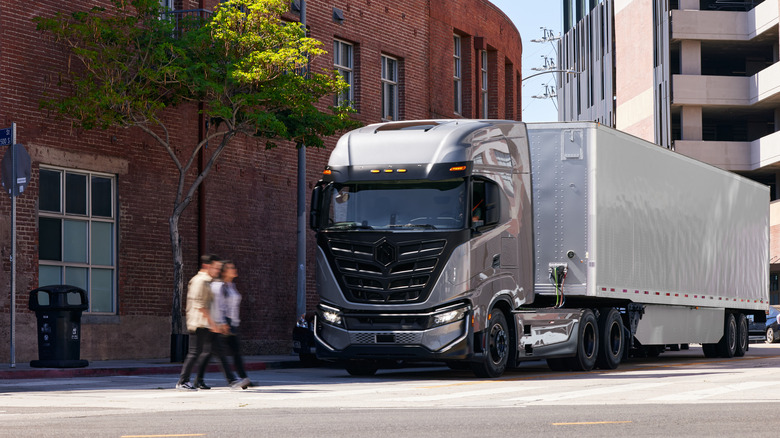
(243, 61)
(248, 67)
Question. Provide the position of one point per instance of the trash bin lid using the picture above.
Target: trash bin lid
(58, 297)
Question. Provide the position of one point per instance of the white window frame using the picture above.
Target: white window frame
(457, 76)
(389, 88)
(62, 215)
(484, 82)
(345, 69)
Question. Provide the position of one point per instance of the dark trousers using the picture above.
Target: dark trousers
(204, 343)
(232, 343)
(198, 353)
(220, 349)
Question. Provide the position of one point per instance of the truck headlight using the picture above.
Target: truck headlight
(331, 316)
(449, 316)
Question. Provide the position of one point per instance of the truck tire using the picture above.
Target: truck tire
(728, 343)
(742, 335)
(587, 343)
(611, 337)
(496, 354)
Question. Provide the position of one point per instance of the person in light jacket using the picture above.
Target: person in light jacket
(227, 305)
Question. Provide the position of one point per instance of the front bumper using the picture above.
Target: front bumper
(391, 338)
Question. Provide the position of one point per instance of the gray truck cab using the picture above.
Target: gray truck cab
(422, 228)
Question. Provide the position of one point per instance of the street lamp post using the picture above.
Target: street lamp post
(300, 307)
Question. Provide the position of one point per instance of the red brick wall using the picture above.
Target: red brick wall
(250, 196)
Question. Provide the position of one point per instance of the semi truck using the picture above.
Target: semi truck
(486, 243)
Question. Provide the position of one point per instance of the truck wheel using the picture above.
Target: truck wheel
(770, 335)
(742, 335)
(497, 353)
(360, 368)
(611, 337)
(728, 344)
(587, 343)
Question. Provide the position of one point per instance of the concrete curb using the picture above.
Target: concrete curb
(130, 369)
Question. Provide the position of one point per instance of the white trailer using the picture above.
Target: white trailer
(493, 242)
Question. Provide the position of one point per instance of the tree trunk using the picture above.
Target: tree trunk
(177, 327)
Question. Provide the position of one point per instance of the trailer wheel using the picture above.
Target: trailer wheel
(497, 351)
(728, 344)
(611, 337)
(587, 343)
(742, 335)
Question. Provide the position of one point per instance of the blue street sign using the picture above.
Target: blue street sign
(6, 136)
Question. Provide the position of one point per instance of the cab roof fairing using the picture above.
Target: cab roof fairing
(448, 141)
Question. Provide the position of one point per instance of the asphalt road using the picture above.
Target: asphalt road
(679, 394)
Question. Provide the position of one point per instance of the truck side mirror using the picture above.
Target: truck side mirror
(314, 212)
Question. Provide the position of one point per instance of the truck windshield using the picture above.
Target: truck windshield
(433, 205)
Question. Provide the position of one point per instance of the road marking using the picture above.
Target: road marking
(162, 436)
(461, 394)
(588, 392)
(711, 392)
(590, 423)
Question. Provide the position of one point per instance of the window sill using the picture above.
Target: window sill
(100, 319)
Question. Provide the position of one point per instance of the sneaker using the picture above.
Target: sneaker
(243, 383)
(185, 386)
(201, 385)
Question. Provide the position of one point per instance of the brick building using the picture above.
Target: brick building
(95, 213)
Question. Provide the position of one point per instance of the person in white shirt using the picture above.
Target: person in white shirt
(226, 308)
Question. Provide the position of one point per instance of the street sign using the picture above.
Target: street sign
(21, 160)
(6, 136)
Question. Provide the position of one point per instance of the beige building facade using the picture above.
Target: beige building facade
(700, 77)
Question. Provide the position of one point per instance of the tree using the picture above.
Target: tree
(243, 64)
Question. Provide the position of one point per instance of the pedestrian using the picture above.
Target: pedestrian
(199, 323)
(227, 304)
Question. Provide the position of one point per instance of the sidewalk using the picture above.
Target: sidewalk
(100, 368)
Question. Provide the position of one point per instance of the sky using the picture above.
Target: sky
(529, 16)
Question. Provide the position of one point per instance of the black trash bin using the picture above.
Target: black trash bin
(58, 311)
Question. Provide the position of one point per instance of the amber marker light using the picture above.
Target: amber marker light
(388, 170)
(401, 171)
(457, 168)
(327, 172)
(374, 170)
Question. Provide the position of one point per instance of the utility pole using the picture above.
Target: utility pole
(300, 307)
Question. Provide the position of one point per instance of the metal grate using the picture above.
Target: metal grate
(385, 271)
(368, 338)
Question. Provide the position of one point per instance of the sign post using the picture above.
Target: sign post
(6, 141)
(16, 170)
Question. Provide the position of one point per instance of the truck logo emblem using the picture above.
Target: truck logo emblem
(385, 253)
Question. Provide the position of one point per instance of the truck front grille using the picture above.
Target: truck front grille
(386, 271)
(404, 338)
